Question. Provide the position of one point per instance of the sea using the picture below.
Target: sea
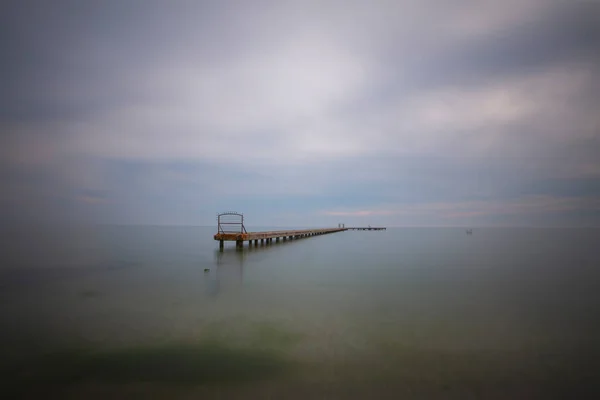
(108, 311)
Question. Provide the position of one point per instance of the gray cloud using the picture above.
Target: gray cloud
(131, 110)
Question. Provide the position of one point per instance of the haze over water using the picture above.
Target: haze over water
(408, 312)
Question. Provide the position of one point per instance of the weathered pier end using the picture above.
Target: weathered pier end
(231, 228)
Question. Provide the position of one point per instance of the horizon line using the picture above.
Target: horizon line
(349, 226)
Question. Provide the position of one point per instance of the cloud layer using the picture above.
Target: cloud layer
(302, 113)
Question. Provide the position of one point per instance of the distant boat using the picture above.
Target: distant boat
(469, 231)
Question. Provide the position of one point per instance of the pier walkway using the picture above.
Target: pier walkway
(268, 236)
(239, 235)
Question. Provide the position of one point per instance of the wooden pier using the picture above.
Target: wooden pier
(239, 235)
(368, 228)
(267, 237)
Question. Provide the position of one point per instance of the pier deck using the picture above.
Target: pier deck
(239, 235)
(367, 228)
(275, 234)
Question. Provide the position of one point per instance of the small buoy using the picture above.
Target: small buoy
(206, 269)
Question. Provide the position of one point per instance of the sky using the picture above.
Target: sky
(301, 113)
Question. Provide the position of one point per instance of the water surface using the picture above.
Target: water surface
(119, 311)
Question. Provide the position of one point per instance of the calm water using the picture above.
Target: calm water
(116, 311)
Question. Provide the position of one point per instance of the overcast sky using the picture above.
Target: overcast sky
(301, 113)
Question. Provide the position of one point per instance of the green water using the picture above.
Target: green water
(118, 312)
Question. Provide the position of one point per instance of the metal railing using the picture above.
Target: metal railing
(231, 222)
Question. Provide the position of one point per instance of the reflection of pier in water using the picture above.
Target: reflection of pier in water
(228, 272)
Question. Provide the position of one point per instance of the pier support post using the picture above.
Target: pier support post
(239, 244)
(276, 240)
(221, 244)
